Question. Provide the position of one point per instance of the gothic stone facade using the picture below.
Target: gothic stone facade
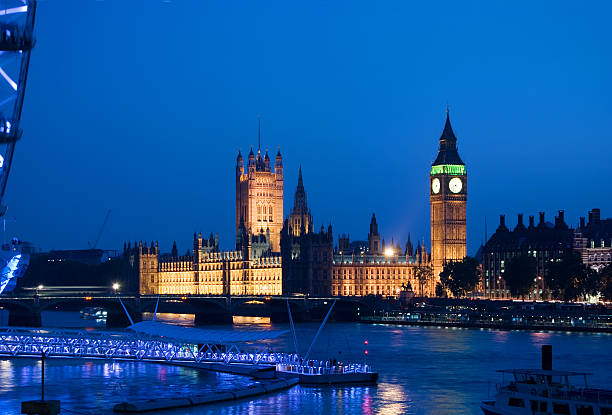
(259, 196)
(378, 270)
(207, 271)
(306, 255)
(253, 268)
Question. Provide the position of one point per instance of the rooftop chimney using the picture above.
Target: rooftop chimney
(541, 219)
(594, 216)
(502, 221)
(520, 220)
(531, 221)
(582, 225)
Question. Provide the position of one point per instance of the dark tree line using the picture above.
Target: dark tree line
(567, 278)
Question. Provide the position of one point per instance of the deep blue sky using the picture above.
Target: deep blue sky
(140, 107)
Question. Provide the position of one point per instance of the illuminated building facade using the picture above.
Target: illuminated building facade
(379, 270)
(448, 200)
(207, 271)
(253, 268)
(259, 196)
(593, 240)
(545, 242)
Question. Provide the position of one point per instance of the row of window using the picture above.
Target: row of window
(265, 213)
(599, 258)
(365, 290)
(557, 407)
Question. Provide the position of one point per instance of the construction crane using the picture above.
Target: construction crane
(100, 231)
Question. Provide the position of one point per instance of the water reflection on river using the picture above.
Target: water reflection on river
(422, 371)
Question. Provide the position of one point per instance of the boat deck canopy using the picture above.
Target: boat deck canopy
(202, 336)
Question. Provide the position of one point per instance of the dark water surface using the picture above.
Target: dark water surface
(422, 371)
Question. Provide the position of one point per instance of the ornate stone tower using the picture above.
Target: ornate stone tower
(373, 237)
(300, 219)
(448, 199)
(259, 196)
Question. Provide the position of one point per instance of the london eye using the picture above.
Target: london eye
(16, 42)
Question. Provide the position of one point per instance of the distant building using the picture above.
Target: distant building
(593, 240)
(545, 242)
(83, 256)
(448, 200)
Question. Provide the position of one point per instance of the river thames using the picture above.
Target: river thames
(423, 370)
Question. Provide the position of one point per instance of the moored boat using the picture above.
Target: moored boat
(547, 391)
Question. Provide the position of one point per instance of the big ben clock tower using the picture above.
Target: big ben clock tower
(448, 199)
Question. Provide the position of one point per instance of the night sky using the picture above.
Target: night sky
(140, 107)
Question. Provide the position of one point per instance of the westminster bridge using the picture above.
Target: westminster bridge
(25, 309)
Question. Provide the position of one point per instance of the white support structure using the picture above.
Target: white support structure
(31, 342)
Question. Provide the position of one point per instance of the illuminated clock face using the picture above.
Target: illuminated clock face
(435, 185)
(455, 185)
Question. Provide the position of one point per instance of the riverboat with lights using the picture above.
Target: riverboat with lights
(540, 392)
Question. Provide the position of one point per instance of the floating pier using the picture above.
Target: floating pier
(145, 405)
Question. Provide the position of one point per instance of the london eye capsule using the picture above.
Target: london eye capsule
(14, 38)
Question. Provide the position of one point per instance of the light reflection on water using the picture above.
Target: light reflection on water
(422, 371)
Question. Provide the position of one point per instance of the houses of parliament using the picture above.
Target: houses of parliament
(276, 255)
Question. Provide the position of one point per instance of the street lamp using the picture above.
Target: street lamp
(116, 286)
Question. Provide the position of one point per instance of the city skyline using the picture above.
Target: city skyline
(371, 130)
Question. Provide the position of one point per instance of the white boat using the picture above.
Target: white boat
(93, 313)
(541, 391)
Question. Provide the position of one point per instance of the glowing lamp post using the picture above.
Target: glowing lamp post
(116, 287)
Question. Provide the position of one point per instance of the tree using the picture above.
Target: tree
(606, 282)
(461, 277)
(440, 291)
(520, 275)
(423, 275)
(590, 284)
(568, 278)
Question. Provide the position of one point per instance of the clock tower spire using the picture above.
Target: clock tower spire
(448, 201)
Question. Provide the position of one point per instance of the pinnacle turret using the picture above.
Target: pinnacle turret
(447, 154)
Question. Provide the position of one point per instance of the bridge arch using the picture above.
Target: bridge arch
(115, 317)
(21, 313)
